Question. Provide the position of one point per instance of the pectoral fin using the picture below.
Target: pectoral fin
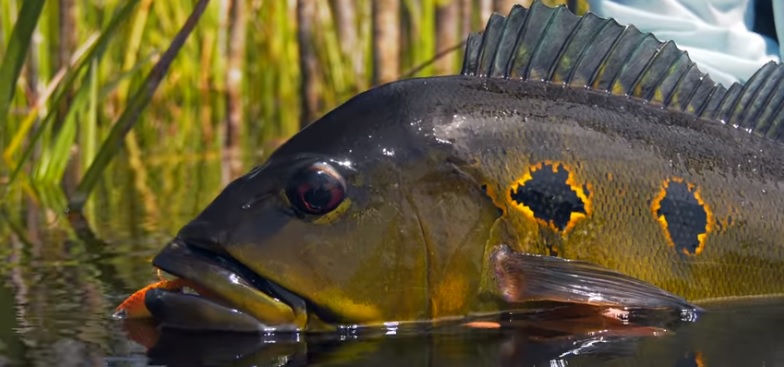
(524, 278)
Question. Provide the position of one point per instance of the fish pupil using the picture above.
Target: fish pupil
(318, 199)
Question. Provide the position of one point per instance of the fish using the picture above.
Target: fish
(573, 160)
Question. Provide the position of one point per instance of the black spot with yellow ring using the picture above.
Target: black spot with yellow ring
(549, 194)
(683, 215)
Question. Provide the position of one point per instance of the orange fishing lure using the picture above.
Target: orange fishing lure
(133, 306)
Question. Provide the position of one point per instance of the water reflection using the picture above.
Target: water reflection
(737, 334)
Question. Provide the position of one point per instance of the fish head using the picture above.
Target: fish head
(359, 219)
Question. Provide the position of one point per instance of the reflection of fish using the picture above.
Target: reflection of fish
(433, 198)
(717, 340)
(535, 338)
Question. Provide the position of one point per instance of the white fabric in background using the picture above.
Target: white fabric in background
(716, 33)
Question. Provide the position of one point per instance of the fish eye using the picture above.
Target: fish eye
(316, 190)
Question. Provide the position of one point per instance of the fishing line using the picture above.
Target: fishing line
(435, 58)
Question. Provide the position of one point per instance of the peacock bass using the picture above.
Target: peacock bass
(574, 160)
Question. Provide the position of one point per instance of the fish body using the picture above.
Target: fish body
(616, 158)
(445, 197)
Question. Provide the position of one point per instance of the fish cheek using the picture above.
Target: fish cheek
(456, 219)
(365, 266)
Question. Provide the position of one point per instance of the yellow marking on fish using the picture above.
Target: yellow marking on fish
(571, 181)
(359, 312)
(448, 296)
(658, 97)
(619, 90)
(334, 214)
(710, 221)
(491, 192)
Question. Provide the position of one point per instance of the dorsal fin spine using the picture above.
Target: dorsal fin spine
(700, 110)
(507, 33)
(778, 114)
(607, 54)
(585, 49)
(644, 72)
(667, 101)
(771, 78)
(768, 115)
(740, 118)
(564, 46)
(495, 18)
(776, 128)
(722, 109)
(468, 57)
(768, 99)
(618, 72)
(518, 39)
(538, 43)
(729, 112)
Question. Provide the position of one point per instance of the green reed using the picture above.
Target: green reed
(77, 115)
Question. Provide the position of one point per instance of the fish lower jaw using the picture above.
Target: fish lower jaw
(216, 290)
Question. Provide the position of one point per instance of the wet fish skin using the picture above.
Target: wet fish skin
(440, 171)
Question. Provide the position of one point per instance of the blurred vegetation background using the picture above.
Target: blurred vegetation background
(251, 74)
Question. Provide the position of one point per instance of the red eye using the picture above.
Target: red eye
(318, 189)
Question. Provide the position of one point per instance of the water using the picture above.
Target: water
(731, 335)
(65, 330)
(57, 293)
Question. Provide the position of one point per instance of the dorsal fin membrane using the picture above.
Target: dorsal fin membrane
(553, 45)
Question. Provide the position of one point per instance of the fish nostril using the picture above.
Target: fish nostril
(200, 234)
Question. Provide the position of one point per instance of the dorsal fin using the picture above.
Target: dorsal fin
(555, 46)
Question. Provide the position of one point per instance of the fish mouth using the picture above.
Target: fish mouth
(227, 295)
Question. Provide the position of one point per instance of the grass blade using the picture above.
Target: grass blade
(131, 113)
(94, 53)
(16, 53)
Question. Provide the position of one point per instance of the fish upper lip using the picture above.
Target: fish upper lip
(229, 263)
(172, 259)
